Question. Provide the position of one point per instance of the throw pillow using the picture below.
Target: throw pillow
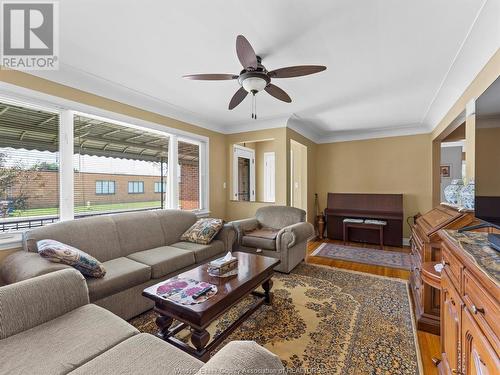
(59, 252)
(203, 231)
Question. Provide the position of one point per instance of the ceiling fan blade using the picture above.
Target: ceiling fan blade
(210, 77)
(277, 93)
(296, 71)
(245, 53)
(238, 97)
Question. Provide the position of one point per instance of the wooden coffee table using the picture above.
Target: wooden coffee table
(253, 271)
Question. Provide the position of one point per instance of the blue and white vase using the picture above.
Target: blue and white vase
(467, 194)
(452, 191)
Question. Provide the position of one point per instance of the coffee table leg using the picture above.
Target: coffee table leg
(164, 322)
(200, 338)
(267, 286)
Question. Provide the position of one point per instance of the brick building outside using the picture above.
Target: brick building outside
(41, 188)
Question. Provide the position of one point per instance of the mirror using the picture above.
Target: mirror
(253, 171)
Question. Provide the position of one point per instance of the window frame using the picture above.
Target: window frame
(158, 184)
(67, 109)
(108, 182)
(140, 184)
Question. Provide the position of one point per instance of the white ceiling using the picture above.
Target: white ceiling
(389, 61)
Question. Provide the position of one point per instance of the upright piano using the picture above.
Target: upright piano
(387, 207)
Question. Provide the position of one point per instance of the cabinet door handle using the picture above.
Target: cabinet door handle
(476, 310)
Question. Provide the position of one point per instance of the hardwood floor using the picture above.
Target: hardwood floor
(429, 344)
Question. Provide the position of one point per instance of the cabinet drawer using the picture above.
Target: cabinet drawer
(482, 306)
(453, 267)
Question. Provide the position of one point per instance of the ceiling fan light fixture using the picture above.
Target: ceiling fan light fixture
(254, 84)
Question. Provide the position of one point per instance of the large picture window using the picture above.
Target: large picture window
(127, 155)
(113, 166)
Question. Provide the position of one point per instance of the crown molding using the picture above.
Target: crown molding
(91, 83)
(260, 124)
(358, 135)
(305, 127)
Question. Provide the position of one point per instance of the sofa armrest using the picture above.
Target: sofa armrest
(227, 235)
(32, 302)
(244, 225)
(243, 357)
(23, 265)
(292, 234)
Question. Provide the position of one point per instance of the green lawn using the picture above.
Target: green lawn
(92, 208)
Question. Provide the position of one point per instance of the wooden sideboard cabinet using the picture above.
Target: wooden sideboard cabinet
(470, 314)
(426, 247)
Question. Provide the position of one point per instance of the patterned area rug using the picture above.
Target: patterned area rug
(328, 321)
(376, 257)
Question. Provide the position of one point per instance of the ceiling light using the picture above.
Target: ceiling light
(254, 84)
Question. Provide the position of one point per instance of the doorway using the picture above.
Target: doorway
(298, 175)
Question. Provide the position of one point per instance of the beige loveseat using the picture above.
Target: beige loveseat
(48, 327)
(137, 249)
(278, 232)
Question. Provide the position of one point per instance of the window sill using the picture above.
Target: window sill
(10, 241)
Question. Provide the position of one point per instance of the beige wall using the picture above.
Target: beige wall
(488, 157)
(470, 147)
(385, 165)
(298, 175)
(217, 147)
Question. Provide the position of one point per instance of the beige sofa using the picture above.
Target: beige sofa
(137, 249)
(47, 326)
(291, 233)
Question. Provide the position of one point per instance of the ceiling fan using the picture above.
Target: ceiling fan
(255, 77)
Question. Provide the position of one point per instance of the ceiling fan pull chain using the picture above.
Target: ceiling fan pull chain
(255, 107)
(252, 106)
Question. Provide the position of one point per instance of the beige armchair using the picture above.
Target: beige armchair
(276, 231)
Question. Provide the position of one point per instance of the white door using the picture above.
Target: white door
(269, 176)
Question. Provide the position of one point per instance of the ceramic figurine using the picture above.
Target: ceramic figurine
(467, 194)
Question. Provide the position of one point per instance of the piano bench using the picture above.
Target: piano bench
(364, 225)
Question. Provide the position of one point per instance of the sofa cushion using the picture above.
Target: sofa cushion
(174, 223)
(59, 252)
(64, 343)
(279, 217)
(203, 231)
(96, 236)
(267, 233)
(202, 252)
(141, 354)
(138, 231)
(121, 273)
(258, 242)
(164, 260)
